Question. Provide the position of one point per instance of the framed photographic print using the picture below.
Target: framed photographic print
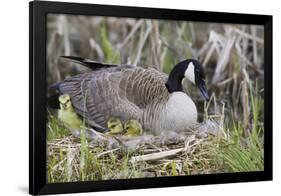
(130, 98)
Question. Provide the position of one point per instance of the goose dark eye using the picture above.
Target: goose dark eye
(126, 129)
(199, 74)
(112, 126)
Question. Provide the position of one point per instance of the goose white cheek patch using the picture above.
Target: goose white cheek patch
(189, 73)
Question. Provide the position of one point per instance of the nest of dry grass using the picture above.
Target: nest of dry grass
(114, 157)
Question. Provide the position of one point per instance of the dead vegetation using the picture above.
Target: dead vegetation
(113, 157)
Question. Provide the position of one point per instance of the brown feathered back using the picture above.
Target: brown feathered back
(125, 92)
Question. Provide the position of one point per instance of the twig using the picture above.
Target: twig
(222, 83)
(107, 152)
(224, 56)
(247, 35)
(132, 32)
(141, 43)
(95, 46)
(163, 154)
(155, 156)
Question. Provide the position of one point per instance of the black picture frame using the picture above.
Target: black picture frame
(38, 11)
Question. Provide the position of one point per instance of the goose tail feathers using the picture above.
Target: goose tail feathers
(88, 63)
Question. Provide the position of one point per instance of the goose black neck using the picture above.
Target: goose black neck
(174, 81)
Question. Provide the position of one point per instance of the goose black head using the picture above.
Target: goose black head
(193, 71)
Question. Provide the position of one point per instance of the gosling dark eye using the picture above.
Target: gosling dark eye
(112, 126)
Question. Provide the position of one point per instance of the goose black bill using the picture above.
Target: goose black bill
(203, 89)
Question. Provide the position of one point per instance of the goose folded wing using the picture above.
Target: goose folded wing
(106, 99)
(96, 96)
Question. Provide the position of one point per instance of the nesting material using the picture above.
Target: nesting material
(151, 154)
(208, 127)
(201, 130)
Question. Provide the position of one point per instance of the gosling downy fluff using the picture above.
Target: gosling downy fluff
(114, 126)
(67, 114)
(133, 128)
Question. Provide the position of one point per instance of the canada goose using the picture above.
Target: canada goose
(151, 97)
(133, 128)
(114, 126)
(67, 114)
